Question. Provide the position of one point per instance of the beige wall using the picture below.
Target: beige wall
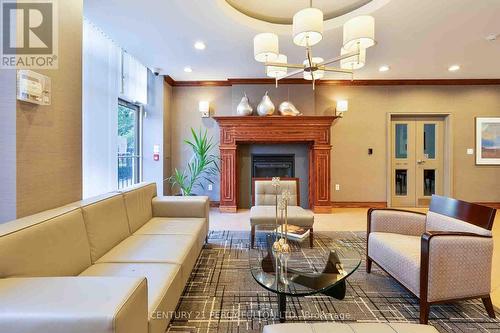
(49, 138)
(362, 177)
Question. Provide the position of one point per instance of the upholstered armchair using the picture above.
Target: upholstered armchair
(263, 205)
(442, 256)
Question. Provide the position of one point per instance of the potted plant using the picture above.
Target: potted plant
(202, 166)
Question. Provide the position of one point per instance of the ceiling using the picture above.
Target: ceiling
(418, 39)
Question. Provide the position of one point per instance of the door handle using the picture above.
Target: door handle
(420, 161)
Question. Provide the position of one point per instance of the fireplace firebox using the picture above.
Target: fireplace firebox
(273, 165)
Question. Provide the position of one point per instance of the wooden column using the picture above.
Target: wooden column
(229, 179)
(319, 185)
(312, 130)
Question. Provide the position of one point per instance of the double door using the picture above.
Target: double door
(417, 161)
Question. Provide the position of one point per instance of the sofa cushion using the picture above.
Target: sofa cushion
(164, 287)
(439, 222)
(106, 223)
(175, 226)
(399, 255)
(174, 249)
(138, 201)
(52, 243)
(349, 328)
(267, 215)
(73, 304)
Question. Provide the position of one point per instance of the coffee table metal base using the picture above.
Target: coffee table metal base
(337, 291)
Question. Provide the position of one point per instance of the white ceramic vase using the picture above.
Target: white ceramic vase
(244, 108)
(288, 109)
(266, 106)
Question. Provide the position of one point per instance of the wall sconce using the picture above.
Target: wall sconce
(204, 108)
(342, 106)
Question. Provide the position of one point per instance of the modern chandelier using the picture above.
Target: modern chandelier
(359, 34)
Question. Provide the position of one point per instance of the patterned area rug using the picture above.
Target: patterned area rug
(222, 296)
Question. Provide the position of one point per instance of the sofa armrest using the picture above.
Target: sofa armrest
(396, 221)
(170, 206)
(455, 265)
(74, 304)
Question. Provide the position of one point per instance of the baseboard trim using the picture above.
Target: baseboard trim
(359, 204)
(495, 205)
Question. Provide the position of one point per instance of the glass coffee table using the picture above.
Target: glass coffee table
(305, 270)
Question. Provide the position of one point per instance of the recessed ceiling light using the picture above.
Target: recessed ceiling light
(188, 69)
(199, 45)
(492, 37)
(454, 68)
(384, 68)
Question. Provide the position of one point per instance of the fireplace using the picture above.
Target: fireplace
(314, 131)
(273, 165)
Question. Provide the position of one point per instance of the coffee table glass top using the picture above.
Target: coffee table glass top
(304, 271)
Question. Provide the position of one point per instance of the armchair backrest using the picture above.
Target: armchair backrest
(447, 214)
(263, 192)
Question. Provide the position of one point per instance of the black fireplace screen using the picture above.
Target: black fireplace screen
(273, 165)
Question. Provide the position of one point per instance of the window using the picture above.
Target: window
(129, 144)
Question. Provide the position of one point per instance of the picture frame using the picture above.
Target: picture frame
(487, 140)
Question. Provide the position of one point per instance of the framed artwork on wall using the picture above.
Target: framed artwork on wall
(488, 141)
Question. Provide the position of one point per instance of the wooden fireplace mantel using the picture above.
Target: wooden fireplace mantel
(313, 130)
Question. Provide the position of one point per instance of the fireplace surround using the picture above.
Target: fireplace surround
(311, 130)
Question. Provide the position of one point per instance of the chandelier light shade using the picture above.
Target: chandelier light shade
(318, 74)
(277, 71)
(265, 47)
(308, 27)
(354, 62)
(359, 32)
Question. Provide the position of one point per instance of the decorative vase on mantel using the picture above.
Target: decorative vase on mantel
(266, 106)
(244, 108)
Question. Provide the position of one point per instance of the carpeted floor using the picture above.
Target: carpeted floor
(222, 295)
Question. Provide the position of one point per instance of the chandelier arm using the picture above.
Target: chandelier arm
(337, 70)
(298, 71)
(277, 64)
(339, 58)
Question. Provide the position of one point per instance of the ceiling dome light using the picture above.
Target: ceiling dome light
(265, 47)
(188, 69)
(276, 71)
(359, 32)
(454, 68)
(384, 68)
(354, 62)
(308, 27)
(318, 74)
(199, 45)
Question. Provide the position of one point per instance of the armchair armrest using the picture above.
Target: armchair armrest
(396, 221)
(455, 265)
(74, 304)
(170, 206)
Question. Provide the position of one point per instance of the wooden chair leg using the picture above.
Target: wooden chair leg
(424, 312)
(311, 238)
(368, 265)
(252, 237)
(489, 306)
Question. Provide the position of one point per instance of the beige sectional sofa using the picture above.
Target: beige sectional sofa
(115, 263)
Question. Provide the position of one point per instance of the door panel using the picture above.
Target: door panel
(430, 161)
(403, 163)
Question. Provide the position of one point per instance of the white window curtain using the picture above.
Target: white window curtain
(108, 74)
(101, 87)
(135, 80)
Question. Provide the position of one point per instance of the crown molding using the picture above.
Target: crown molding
(395, 82)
